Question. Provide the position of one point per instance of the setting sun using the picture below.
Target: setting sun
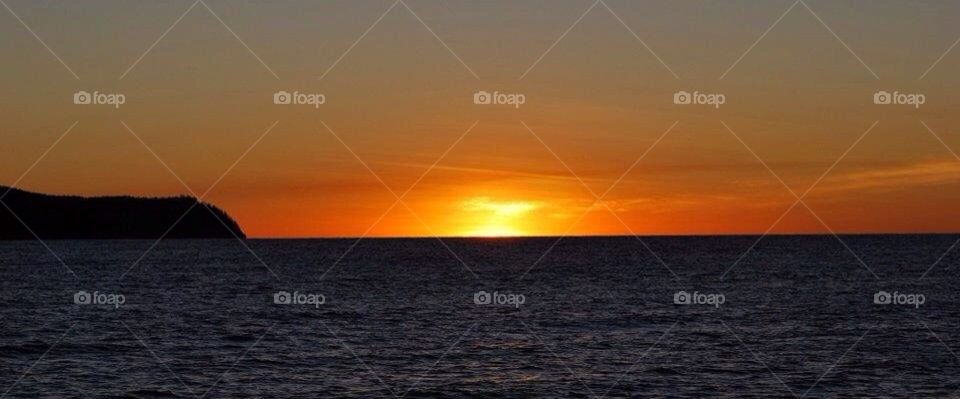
(496, 218)
(494, 231)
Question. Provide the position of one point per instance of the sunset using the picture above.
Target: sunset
(399, 99)
(480, 198)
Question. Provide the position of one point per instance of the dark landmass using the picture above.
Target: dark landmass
(122, 217)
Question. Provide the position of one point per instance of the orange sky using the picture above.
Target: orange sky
(400, 98)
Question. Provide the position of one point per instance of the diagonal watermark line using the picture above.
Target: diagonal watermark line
(162, 162)
(824, 24)
(654, 54)
(34, 234)
(937, 337)
(854, 54)
(39, 39)
(375, 175)
(599, 199)
(440, 40)
(239, 39)
(937, 136)
(749, 49)
(609, 189)
(242, 242)
(222, 176)
(399, 198)
(955, 243)
(415, 15)
(137, 62)
(155, 243)
(363, 391)
(640, 158)
(942, 56)
(215, 15)
(57, 342)
(757, 241)
(797, 202)
(567, 167)
(799, 198)
(440, 240)
(943, 343)
(354, 354)
(242, 156)
(244, 354)
(442, 156)
(375, 23)
(164, 364)
(200, 198)
(444, 355)
(357, 241)
(641, 241)
(834, 365)
(553, 245)
(575, 23)
(19, 219)
(842, 242)
(635, 363)
(42, 156)
(757, 358)
(559, 359)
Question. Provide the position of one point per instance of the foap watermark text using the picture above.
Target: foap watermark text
(483, 298)
(697, 98)
(84, 298)
(897, 98)
(298, 298)
(497, 98)
(297, 98)
(699, 298)
(97, 98)
(899, 298)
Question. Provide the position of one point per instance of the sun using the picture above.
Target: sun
(494, 230)
(495, 218)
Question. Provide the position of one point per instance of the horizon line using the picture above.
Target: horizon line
(692, 235)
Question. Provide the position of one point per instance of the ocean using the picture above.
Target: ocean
(798, 316)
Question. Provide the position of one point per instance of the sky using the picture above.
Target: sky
(598, 147)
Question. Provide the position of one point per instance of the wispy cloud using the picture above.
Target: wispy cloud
(893, 178)
(501, 208)
(902, 177)
(666, 203)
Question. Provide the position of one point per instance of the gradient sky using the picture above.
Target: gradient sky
(399, 99)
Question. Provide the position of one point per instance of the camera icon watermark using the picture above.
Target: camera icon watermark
(897, 98)
(297, 98)
(84, 298)
(497, 98)
(698, 298)
(899, 298)
(697, 98)
(298, 298)
(97, 98)
(484, 298)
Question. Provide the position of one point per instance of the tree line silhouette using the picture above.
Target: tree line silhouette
(118, 217)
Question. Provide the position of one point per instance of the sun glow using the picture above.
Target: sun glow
(496, 218)
(494, 231)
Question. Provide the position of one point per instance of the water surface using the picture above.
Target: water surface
(598, 318)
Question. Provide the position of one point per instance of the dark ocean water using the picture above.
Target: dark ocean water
(400, 318)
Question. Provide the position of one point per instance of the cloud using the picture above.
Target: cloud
(500, 208)
(900, 177)
(884, 179)
(667, 203)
